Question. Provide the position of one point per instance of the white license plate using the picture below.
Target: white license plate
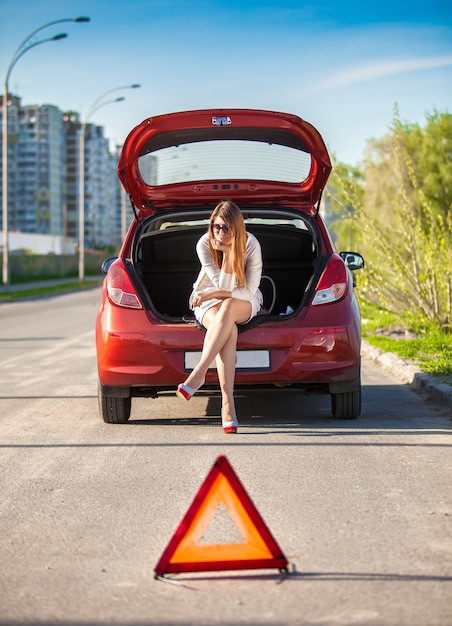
(246, 360)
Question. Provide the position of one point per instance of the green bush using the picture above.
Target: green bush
(397, 211)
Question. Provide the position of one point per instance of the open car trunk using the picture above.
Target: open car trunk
(167, 264)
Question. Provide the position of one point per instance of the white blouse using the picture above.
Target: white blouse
(211, 277)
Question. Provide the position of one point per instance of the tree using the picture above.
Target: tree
(430, 155)
(403, 214)
(343, 196)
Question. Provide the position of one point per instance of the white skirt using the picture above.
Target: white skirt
(200, 311)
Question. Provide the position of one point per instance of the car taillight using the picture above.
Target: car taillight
(119, 287)
(333, 282)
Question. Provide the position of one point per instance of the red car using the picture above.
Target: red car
(175, 169)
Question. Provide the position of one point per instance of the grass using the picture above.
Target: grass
(19, 294)
(426, 345)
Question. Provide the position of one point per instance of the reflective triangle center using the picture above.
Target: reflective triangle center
(253, 547)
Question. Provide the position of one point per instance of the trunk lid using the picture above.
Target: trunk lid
(196, 158)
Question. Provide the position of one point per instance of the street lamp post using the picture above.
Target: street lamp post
(97, 104)
(24, 47)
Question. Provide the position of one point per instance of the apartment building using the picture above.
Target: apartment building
(12, 147)
(70, 209)
(43, 175)
(40, 157)
(102, 210)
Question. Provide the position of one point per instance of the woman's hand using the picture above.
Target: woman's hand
(197, 299)
(219, 245)
(201, 296)
(226, 249)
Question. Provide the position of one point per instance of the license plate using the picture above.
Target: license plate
(246, 360)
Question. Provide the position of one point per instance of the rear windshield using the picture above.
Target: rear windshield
(224, 160)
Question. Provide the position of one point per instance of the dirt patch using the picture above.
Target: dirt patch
(396, 332)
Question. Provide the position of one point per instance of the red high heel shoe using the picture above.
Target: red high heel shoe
(230, 430)
(185, 392)
(229, 427)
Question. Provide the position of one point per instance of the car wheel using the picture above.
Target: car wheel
(114, 410)
(346, 405)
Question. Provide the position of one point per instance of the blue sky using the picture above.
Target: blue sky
(341, 65)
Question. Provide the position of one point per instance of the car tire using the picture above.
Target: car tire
(346, 405)
(114, 410)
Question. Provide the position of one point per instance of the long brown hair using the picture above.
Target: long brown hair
(233, 218)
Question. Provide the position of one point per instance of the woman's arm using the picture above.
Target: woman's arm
(222, 279)
(200, 296)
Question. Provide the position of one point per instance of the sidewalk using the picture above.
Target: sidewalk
(407, 372)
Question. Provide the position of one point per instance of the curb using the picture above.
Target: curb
(430, 388)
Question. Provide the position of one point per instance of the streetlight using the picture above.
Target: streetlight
(24, 47)
(96, 105)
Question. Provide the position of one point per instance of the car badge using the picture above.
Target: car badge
(222, 120)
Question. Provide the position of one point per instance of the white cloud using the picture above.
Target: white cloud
(380, 69)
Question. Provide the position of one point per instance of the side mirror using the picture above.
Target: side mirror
(108, 263)
(352, 260)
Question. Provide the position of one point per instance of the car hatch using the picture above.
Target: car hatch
(253, 157)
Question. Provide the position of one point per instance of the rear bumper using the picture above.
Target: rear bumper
(133, 361)
(146, 391)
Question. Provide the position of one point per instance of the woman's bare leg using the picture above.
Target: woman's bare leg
(220, 323)
(226, 362)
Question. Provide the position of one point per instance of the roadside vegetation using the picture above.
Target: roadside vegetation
(396, 210)
(422, 343)
(15, 294)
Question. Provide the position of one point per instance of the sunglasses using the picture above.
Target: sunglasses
(217, 227)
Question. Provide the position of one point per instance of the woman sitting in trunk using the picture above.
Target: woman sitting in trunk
(226, 293)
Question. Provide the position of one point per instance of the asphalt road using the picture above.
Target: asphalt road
(362, 509)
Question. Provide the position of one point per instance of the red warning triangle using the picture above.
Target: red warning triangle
(259, 549)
